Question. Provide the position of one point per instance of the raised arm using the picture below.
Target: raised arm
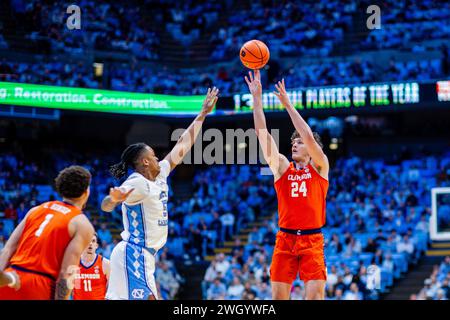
(320, 160)
(187, 139)
(82, 232)
(277, 162)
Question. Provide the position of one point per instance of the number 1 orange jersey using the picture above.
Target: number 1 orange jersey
(91, 281)
(301, 198)
(44, 239)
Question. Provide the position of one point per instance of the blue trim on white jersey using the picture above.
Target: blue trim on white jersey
(140, 238)
(143, 224)
(136, 281)
(126, 271)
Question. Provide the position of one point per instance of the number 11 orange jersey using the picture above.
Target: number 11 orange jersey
(91, 282)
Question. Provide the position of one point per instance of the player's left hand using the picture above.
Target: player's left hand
(210, 101)
(282, 94)
(118, 195)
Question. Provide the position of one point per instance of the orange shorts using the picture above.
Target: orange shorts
(295, 254)
(32, 287)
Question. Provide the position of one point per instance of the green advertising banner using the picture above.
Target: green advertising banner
(34, 95)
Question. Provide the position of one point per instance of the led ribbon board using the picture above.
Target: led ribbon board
(33, 95)
(339, 97)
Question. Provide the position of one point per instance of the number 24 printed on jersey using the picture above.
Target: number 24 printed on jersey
(298, 189)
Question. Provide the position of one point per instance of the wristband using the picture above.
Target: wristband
(13, 279)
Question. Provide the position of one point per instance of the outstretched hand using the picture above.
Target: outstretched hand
(118, 195)
(282, 94)
(254, 82)
(210, 101)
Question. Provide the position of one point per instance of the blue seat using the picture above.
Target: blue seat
(366, 258)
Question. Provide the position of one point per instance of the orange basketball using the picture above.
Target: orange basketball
(254, 54)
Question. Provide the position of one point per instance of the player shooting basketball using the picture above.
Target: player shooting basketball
(301, 188)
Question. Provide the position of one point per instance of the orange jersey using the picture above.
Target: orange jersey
(44, 239)
(301, 198)
(90, 283)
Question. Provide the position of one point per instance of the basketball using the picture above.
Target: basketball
(254, 54)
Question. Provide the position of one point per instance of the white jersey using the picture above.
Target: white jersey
(144, 213)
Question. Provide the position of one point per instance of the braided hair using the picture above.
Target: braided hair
(127, 159)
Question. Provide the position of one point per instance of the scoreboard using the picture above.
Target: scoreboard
(343, 99)
(378, 96)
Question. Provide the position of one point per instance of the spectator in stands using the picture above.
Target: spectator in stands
(249, 293)
(227, 220)
(210, 275)
(441, 295)
(2, 241)
(11, 212)
(167, 280)
(216, 226)
(264, 291)
(194, 241)
(297, 293)
(336, 244)
(104, 234)
(446, 287)
(371, 246)
(353, 293)
(255, 236)
(444, 268)
(332, 277)
(235, 290)
(339, 295)
(21, 212)
(388, 264)
(3, 232)
(340, 284)
(423, 224)
(222, 264)
(352, 248)
(217, 290)
(405, 245)
(348, 276)
(106, 248)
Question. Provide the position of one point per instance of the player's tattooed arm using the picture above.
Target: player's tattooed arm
(62, 291)
(187, 139)
(116, 196)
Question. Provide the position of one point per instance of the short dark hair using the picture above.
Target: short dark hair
(72, 182)
(316, 136)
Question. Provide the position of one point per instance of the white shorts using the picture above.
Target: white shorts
(132, 273)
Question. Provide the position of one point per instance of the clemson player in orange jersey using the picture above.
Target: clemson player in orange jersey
(45, 249)
(301, 189)
(92, 280)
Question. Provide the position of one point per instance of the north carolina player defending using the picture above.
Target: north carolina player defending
(45, 248)
(92, 279)
(144, 197)
(301, 189)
